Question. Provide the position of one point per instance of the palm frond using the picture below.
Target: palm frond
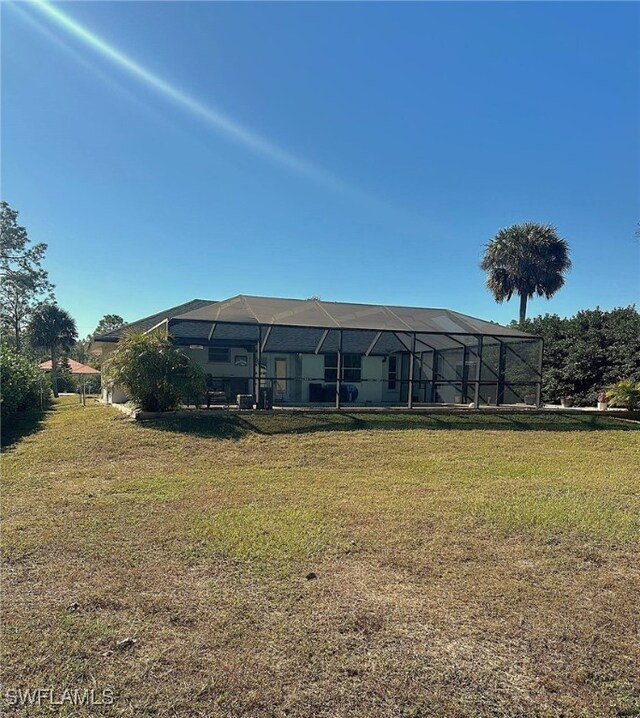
(526, 259)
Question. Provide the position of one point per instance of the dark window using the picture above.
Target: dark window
(331, 367)
(351, 367)
(219, 355)
(393, 372)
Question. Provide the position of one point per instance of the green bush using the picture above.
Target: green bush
(625, 393)
(66, 381)
(588, 351)
(21, 382)
(155, 373)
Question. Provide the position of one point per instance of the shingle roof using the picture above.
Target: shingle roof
(142, 325)
(342, 315)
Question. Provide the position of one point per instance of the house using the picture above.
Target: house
(300, 352)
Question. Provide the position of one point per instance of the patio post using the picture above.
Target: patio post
(476, 396)
(501, 368)
(539, 382)
(411, 371)
(257, 369)
(339, 370)
(434, 375)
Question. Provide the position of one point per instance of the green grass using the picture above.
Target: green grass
(471, 564)
(593, 515)
(263, 536)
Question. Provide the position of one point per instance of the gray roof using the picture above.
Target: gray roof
(143, 325)
(311, 325)
(267, 311)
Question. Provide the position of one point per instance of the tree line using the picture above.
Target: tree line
(587, 353)
(31, 322)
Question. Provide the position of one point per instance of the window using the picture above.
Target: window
(330, 367)
(393, 372)
(219, 355)
(351, 367)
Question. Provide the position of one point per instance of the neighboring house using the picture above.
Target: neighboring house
(72, 366)
(307, 351)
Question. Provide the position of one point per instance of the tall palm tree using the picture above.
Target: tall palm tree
(53, 329)
(526, 259)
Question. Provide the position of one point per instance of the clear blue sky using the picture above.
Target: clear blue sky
(359, 152)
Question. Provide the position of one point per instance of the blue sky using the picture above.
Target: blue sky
(358, 152)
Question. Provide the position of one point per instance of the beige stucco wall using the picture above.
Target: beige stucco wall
(302, 370)
(371, 390)
(222, 369)
(110, 393)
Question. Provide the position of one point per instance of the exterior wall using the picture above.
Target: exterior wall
(372, 389)
(303, 370)
(223, 369)
(233, 377)
(312, 371)
(114, 393)
(374, 381)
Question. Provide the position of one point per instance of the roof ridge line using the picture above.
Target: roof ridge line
(319, 303)
(400, 319)
(243, 299)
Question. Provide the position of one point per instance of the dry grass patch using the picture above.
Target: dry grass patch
(464, 565)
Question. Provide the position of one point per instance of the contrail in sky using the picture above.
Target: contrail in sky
(216, 119)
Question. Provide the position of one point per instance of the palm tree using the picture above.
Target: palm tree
(526, 259)
(53, 329)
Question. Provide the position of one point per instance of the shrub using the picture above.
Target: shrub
(583, 353)
(66, 382)
(21, 382)
(625, 393)
(155, 373)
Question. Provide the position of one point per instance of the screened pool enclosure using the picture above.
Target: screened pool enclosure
(293, 352)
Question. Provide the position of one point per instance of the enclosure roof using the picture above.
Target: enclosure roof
(75, 366)
(245, 309)
(143, 325)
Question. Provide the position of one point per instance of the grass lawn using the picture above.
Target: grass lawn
(336, 565)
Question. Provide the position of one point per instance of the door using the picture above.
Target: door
(280, 385)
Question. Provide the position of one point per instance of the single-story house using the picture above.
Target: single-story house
(299, 352)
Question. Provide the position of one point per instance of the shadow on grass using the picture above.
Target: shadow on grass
(230, 425)
(17, 427)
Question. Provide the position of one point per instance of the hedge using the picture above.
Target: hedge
(21, 382)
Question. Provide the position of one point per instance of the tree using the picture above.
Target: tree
(588, 352)
(53, 329)
(154, 372)
(80, 350)
(20, 295)
(526, 259)
(24, 282)
(109, 323)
